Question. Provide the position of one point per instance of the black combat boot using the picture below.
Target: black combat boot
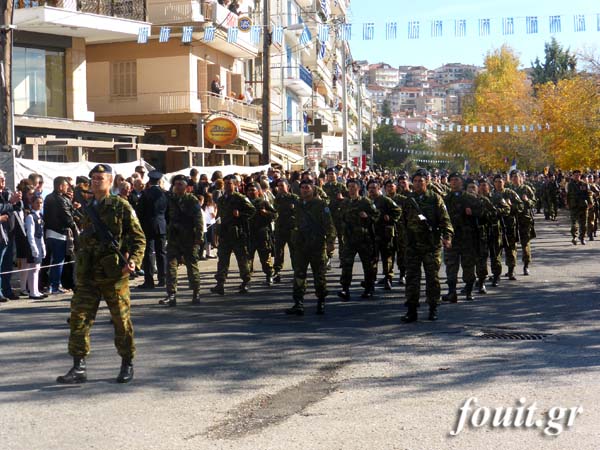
(321, 306)
(382, 281)
(77, 374)
(495, 280)
(387, 286)
(402, 279)
(269, 280)
(171, 300)
(195, 298)
(469, 291)
(582, 240)
(344, 294)
(126, 372)
(451, 296)
(574, 240)
(368, 292)
(511, 273)
(526, 269)
(411, 315)
(243, 287)
(277, 278)
(590, 237)
(482, 289)
(296, 310)
(218, 289)
(432, 313)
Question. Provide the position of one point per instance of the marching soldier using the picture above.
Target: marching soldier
(111, 247)
(579, 202)
(184, 239)
(285, 205)
(336, 192)
(525, 220)
(313, 235)
(400, 241)
(385, 230)
(261, 233)
(551, 194)
(511, 230)
(426, 222)
(592, 223)
(234, 211)
(358, 219)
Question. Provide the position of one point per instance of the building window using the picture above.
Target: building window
(123, 79)
(39, 82)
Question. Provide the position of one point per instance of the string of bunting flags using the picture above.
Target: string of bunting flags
(392, 30)
(408, 151)
(461, 128)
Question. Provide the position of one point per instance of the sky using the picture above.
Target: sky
(433, 52)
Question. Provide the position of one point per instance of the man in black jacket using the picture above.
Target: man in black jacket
(59, 222)
(152, 207)
(9, 202)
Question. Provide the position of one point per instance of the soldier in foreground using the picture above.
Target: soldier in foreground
(313, 236)
(261, 233)
(184, 239)
(579, 201)
(428, 227)
(525, 220)
(111, 247)
(285, 205)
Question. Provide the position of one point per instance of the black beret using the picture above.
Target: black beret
(498, 177)
(330, 170)
(388, 182)
(352, 180)
(454, 175)
(82, 179)
(307, 181)
(420, 173)
(101, 168)
(514, 172)
(179, 177)
(576, 171)
(155, 175)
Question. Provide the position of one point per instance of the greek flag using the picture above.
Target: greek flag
(413, 29)
(165, 32)
(579, 23)
(555, 24)
(278, 35)
(304, 38)
(325, 8)
(466, 128)
(484, 27)
(345, 32)
(507, 128)
(186, 34)
(539, 127)
(255, 34)
(209, 34)
(322, 48)
(490, 129)
(323, 32)
(460, 28)
(436, 28)
(531, 128)
(391, 30)
(523, 128)
(499, 128)
(513, 165)
(531, 24)
(368, 31)
(232, 35)
(516, 128)
(508, 26)
(143, 34)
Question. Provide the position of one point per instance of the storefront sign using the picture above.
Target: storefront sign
(221, 131)
(244, 24)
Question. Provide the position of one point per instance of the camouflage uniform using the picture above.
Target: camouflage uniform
(100, 276)
(592, 223)
(359, 237)
(400, 244)
(525, 221)
(385, 233)
(184, 236)
(285, 205)
(579, 197)
(233, 235)
(333, 189)
(511, 231)
(551, 193)
(261, 236)
(425, 246)
(495, 210)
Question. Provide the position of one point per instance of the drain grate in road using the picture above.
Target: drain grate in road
(512, 336)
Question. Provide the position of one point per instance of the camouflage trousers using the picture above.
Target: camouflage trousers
(399, 256)
(460, 255)
(317, 259)
(189, 253)
(339, 232)
(493, 251)
(431, 261)
(510, 252)
(368, 257)
(282, 238)
(550, 209)
(385, 251)
(240, 250)
(591, 222)
(579, 217)
(84, 306)
(264, 256)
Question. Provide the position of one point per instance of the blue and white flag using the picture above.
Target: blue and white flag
(508, 25)
(209, 34)
(513, 165)
(460, 28)
(579, 23)
(345, 32)
(143, 35)
(597, 22)
(278, 35)
(391, 30)
(186, 34)
(507, 128)
(499, 128)
(325, 8)
(232, 35)
(255, 31)
(304, 38)
(467, 128)
(466, 167)
(413, 29)
(323, 32)
(555, 26)
(368, 31)
(437, 28)
(531, 24)
(322, 49)
(165, 33)
(484, 27)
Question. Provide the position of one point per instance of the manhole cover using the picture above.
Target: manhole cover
(512, 336)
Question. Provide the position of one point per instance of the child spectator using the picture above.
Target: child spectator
(34, 228)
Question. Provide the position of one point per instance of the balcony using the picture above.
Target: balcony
(162, 12)
(298, 79)
(213, 103)
(125, 9)
(223, 20)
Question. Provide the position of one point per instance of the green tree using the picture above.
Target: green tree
(388, 146)
(559, 64)
(386, 110)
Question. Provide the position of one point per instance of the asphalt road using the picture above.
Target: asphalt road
(236, 373)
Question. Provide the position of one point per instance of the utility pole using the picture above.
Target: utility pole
(371, 136)
(266, 95)
(344, 108)
(7, 130)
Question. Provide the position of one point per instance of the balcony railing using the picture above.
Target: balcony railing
(213, 103)
(126, 9)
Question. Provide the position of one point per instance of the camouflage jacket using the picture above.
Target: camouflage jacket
(426, 221)
(313, 226)
(231, 227)
(185, 222)
(579, 195)
(358, 230)
(285, 205)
